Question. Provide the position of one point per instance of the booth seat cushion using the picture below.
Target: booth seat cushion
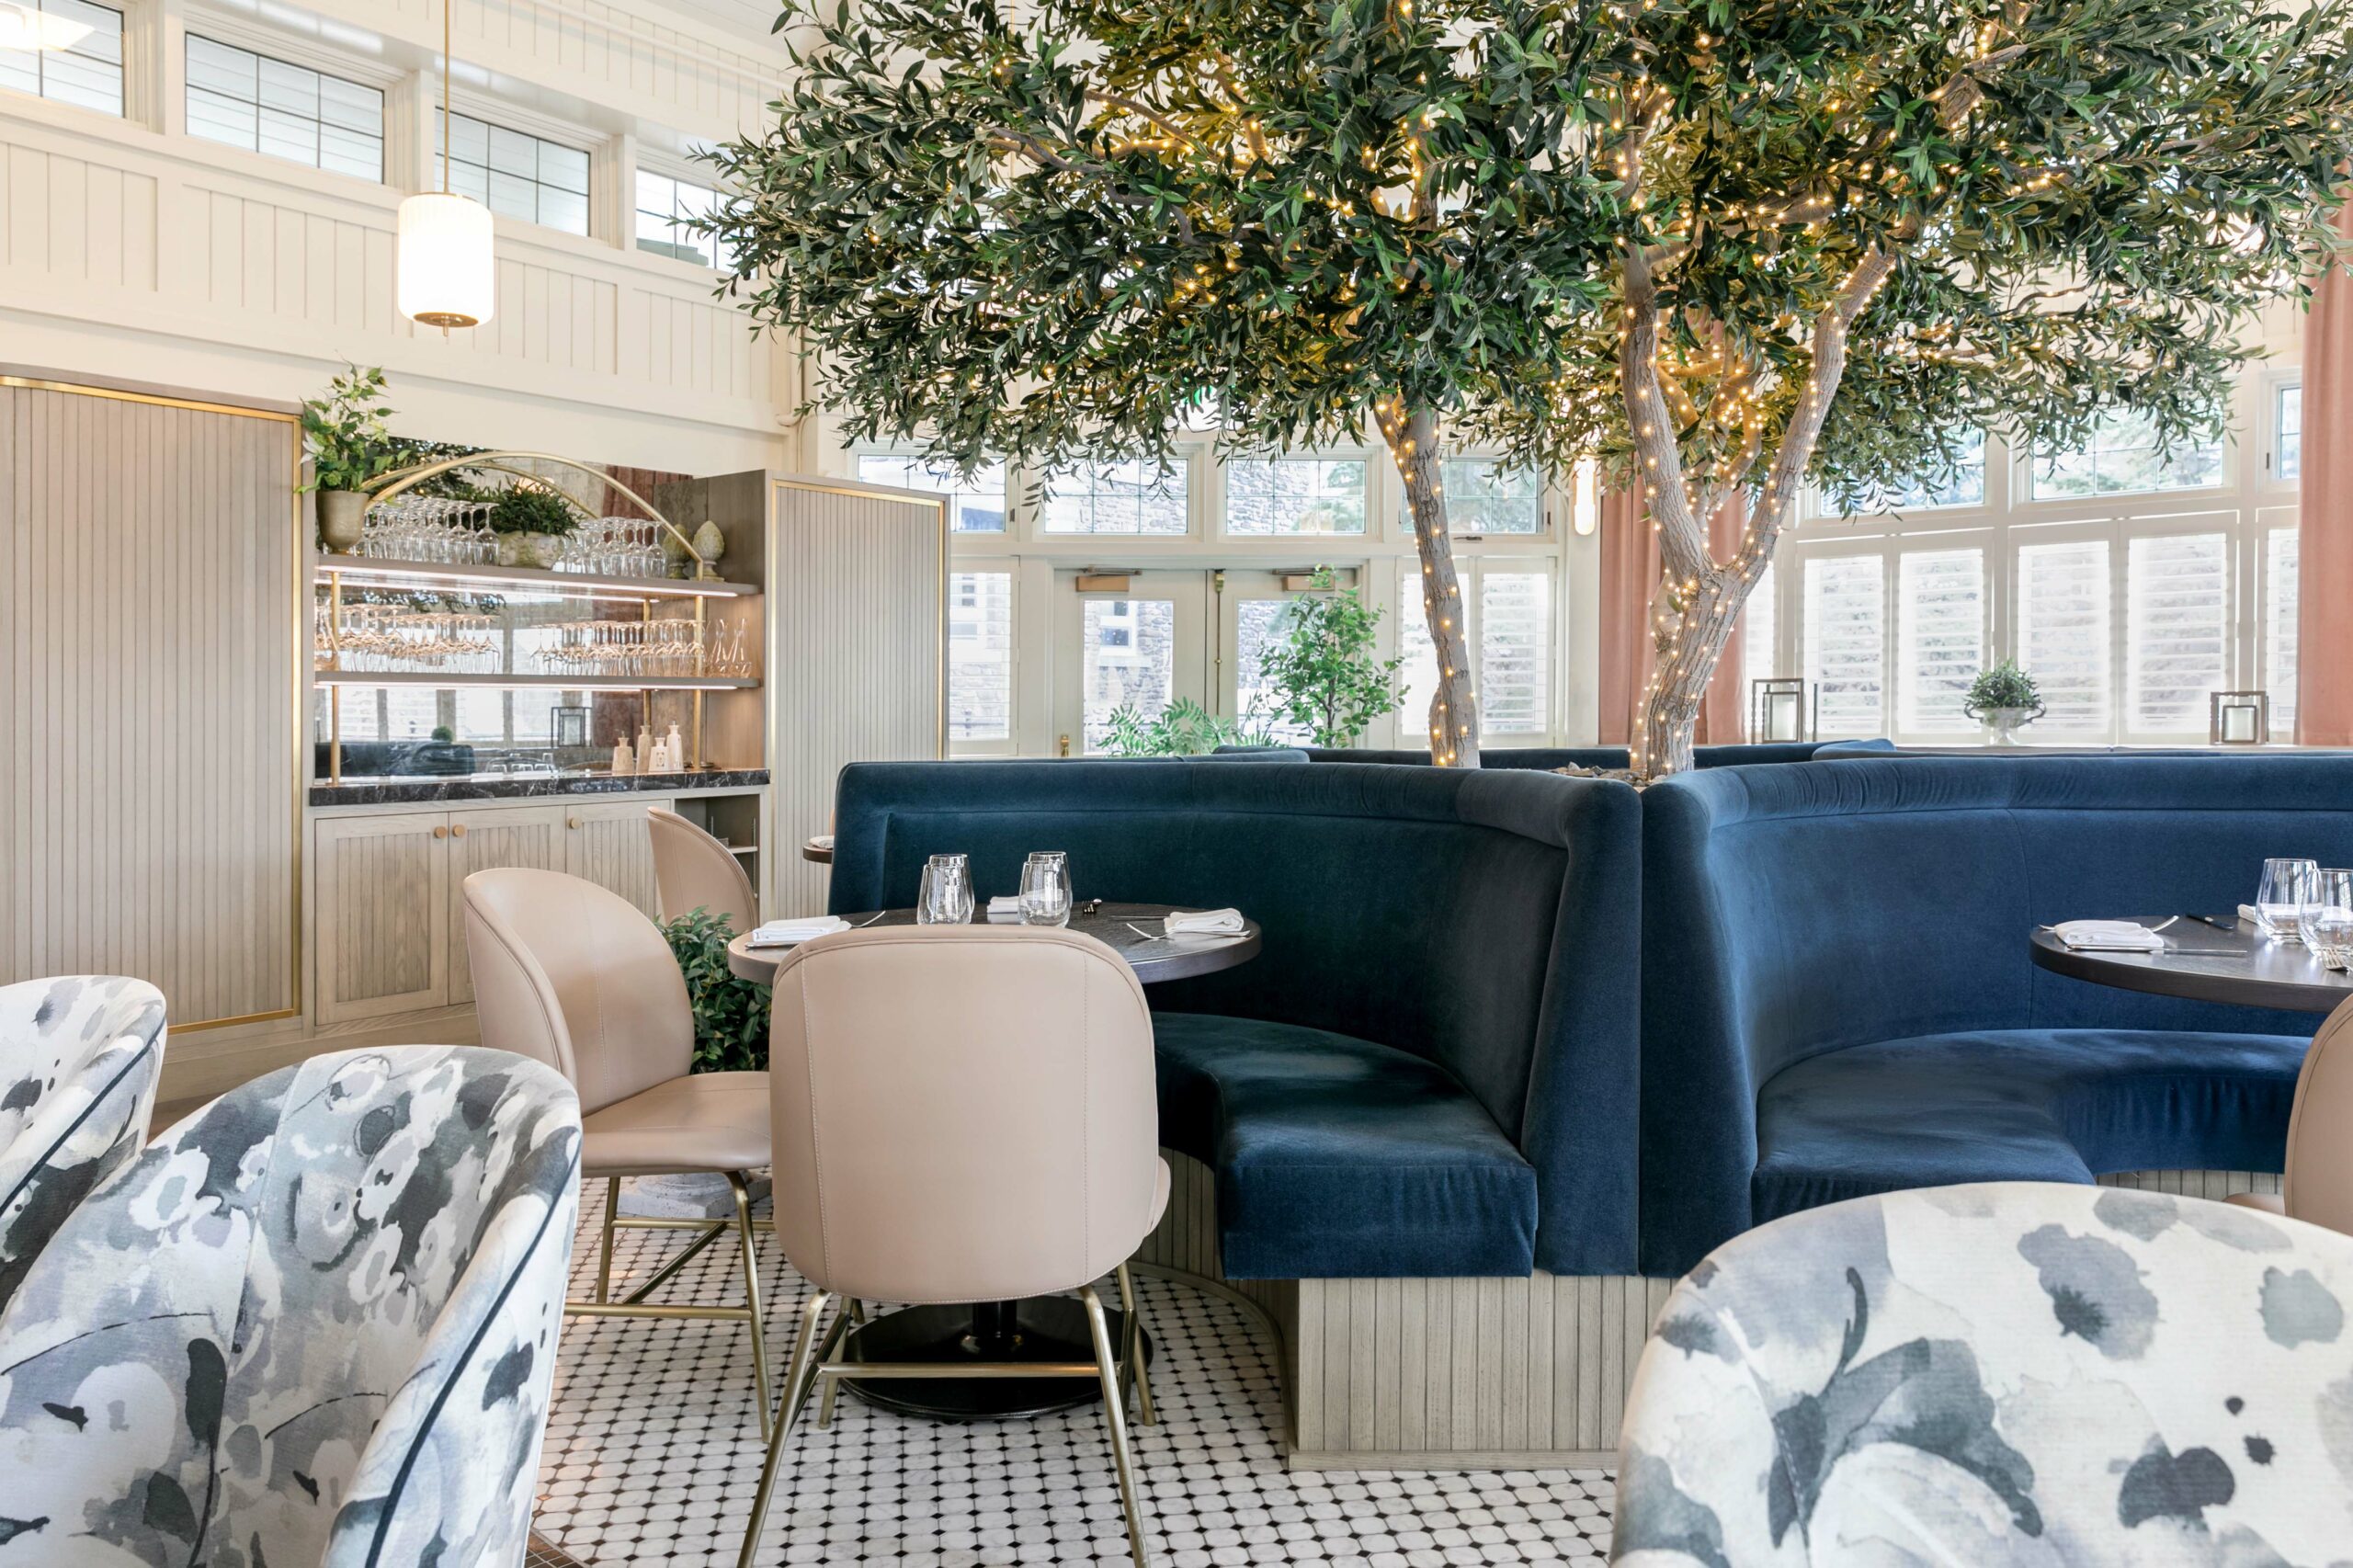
(2018, 1105)
(1337, 1157)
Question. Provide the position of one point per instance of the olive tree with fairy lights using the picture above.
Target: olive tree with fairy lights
(1727, 249)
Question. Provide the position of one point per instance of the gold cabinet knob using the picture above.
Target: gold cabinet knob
(572, 822)
(459, 831)
(441, 830)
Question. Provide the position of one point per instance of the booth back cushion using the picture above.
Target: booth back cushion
(1547, 757)
(1415, 907)
(1862, 900)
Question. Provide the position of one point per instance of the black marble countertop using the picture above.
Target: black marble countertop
(418, 790)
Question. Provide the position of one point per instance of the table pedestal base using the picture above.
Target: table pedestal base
(1042, 1329)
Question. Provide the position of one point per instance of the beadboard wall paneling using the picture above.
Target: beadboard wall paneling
(149, 809)
(107, 224)
(856, 650)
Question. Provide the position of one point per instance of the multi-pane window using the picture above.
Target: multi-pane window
(2064, 633)
(516, 175)
(1417, 677)
(1115, 498)
(2288, 432)
(1965, 486)
(1485, 498)
(2126, 456)
(67, 50)
(1295, 495)
(1128, 655)
(2178, 630)
(1846, 643)
(1515, 643)
(249, 100)
(1760, 655)
(1941, 638)
(666, 209)
(980, 656)
(2279, 587)
(975, 506)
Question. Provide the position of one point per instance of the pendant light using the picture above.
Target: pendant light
(448, 273)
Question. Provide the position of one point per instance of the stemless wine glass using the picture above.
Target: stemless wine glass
(945, 897)
(2329, 924)
(1045, 889)
(2286, 893)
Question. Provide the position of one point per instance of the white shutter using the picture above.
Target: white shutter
(1941, 638)
(2062, 633)
(1846, 643)
(1758, 654)
(2178, 630)
(980, 656)
(2279, 558)
(1418, 675)
(1515, 692)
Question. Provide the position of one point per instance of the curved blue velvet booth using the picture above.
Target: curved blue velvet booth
(1837, 996)
(1429, 1069)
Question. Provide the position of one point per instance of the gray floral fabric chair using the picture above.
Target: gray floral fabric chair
(315, 1323)
(80, 1056)
(2013, 1373)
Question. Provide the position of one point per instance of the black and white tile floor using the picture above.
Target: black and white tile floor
(652, 1452)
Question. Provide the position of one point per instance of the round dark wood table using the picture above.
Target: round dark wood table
(1130, 930)
(1043, 1328)
(2239, 966)
(818, 851)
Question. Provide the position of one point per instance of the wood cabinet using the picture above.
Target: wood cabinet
(390, 891)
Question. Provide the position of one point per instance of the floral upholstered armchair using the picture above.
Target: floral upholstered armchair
(80, 1056)
(2016, 1373)
(315, 1323)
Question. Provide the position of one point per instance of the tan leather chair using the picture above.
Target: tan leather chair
(963, 1113)
(576, 976)
(693, 870)
(2318, 1186)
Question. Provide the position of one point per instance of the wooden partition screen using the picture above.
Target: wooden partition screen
(150, 771)
(857, 652)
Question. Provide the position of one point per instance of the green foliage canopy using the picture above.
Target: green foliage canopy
(1059, 231)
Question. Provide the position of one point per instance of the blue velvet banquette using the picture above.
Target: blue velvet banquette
(1837, 996)
(1547, 757)
(1430, 1067)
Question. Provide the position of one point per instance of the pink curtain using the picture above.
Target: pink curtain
(1629, 574)
(2325, 559)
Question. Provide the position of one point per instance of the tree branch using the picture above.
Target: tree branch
(1830, 328)
(1025, 145)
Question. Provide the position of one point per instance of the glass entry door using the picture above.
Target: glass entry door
(1135, 640)
(1253, 615)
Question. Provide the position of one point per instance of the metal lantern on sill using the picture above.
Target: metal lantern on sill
(2239, 719)
(1779, 706)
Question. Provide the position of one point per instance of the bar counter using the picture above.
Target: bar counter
(429, 788)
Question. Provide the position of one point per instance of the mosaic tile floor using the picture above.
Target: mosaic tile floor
(652, 1453)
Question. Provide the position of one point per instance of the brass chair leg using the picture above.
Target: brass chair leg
(1131, 1360)
(605, 1251)
(796, 1381)
(1116, 1419)
(826, 1396)
(752, 1295)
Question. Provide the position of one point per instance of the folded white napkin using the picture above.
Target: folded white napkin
(785, 933)
(821, 840)
(1005, 909)
(1206, 923)
(2108, 937)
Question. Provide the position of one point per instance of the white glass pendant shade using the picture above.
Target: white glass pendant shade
(448, 273)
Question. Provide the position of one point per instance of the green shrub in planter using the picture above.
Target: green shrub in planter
(730, 1013)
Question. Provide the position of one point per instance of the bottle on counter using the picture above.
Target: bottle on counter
(660, 762)
(644, 749)
(624, 759)
(677, 751)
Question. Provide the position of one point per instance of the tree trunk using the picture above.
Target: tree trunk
(1689, 626)
(1454, 713)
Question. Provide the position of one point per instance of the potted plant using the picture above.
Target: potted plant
(1183, 728)
(349, 451)
(529, 522)
(1325, 672)
(2003, 699)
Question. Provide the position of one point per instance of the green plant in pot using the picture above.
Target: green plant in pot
(730, 1013)
(349, 451)
(1325, 671)
(2003, 699)
(529, 522)
(1183, 728)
